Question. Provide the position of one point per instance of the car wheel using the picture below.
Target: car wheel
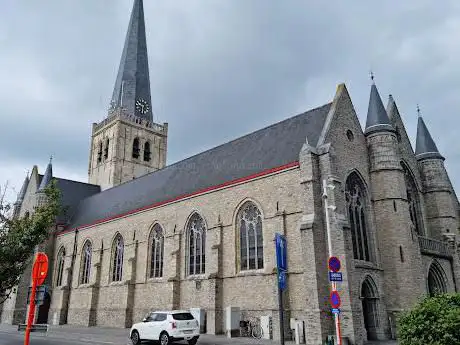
(192, 341)
(164, 339)
(135, 339)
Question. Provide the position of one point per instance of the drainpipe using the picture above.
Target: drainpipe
(71, 271)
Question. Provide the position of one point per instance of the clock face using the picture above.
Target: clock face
(142, 106)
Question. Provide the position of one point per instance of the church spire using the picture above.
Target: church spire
(377, 117)
(46, 177)
(132, 86)
(425, 146)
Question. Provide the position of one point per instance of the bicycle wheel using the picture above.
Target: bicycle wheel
(257, 332)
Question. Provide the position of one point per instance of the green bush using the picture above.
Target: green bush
(433, 321)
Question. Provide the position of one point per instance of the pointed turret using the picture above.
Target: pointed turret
(425, 146)
(377, 117)
(46, 177)
(22, 193)
(132, 86)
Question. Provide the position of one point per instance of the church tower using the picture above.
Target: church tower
(440, 201)
(127, 143)
(397, 243)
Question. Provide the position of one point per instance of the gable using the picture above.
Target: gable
(269, 148)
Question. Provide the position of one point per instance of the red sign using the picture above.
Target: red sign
(334, 264)
(335, 299)
(40, 269)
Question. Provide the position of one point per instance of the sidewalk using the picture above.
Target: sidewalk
(119, 336)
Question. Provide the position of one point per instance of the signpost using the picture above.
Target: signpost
(39, 272)
(281, 265)
(334, 266)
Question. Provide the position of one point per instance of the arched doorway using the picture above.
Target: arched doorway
(369, 298)
(436, 279)
(43, 310)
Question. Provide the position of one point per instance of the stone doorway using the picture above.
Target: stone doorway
(436, 279)
(43, 310)
(370, 305)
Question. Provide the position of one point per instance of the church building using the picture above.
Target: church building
(142, 235)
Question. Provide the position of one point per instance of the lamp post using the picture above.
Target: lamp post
(328, 207)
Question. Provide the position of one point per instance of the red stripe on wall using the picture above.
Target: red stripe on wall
(161, 203)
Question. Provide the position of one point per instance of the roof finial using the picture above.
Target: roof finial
(418, 110)
(372, 76)
(51, 159)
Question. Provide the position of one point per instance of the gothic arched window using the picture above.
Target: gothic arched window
(355, 196)
(249, 222)
(156, 252)
(196, 245)
(147, 152)
(117, 255)
(436, 279)
(60, 266)
(106, 149)
(99, 152)
(136, 149)
(412, 199)
(86, 263)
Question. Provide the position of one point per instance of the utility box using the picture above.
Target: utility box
(200, 315)
(232, 321)
(267, 327)
(299, 332)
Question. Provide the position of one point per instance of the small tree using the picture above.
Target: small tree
(19, 237)
(433, 321)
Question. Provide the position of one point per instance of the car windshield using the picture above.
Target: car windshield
(183, 316)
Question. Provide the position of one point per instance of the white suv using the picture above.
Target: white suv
(166, 327)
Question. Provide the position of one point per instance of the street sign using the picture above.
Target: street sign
(282, 279)
(281, 252)
(335, 311)
(335, 276)
(39, 272)
(335, 299)
(334, 264)
(40, 269)
(40, 292)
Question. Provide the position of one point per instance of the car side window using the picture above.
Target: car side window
(160, 317)
(151, 317)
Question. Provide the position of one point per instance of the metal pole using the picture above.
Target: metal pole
(281, 311)
(31, 317)
(329, 243)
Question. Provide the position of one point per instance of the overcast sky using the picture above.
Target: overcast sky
(219, 69)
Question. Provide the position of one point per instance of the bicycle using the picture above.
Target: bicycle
(250, 328)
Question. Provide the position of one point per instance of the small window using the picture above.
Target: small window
(350, 135)
(99, 153)
(398, 134)
(136, 148)
(106, 149)
(147, 152)
(183, 316)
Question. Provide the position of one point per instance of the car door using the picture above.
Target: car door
(160, 324)
(149, 327)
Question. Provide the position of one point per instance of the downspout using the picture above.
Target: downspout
(71, 271)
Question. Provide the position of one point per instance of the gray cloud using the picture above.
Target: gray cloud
(219, 69)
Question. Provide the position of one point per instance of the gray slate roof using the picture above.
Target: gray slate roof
(377, 117)
(46, 177)
(425, 146)
(22, 192)
(133, 81)
(271, 147)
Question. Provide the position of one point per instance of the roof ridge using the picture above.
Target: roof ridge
(66, 179)
(220, 145)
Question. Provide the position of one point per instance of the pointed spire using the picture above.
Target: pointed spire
(132, 86)
(22, 193)
(425, 146)
(47, 176)
(377, 117)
